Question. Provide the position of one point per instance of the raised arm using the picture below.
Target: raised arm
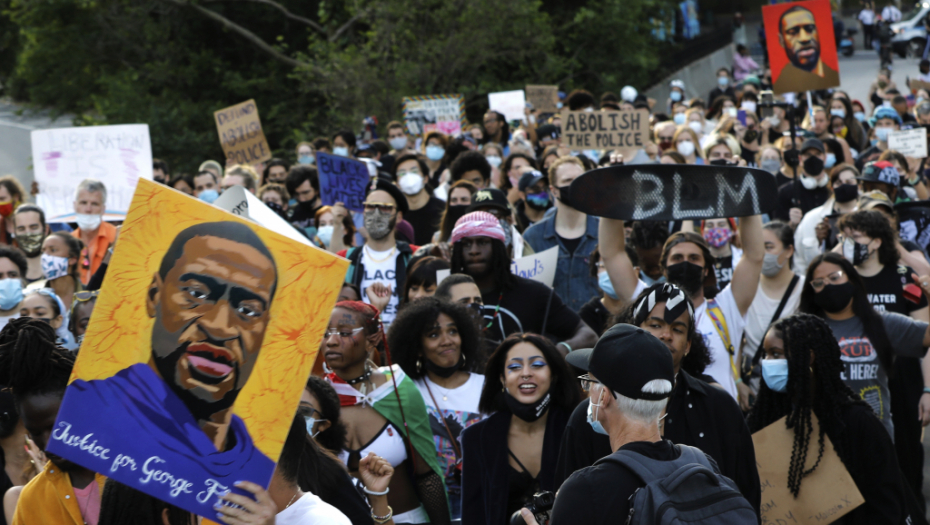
(611, 243)
(746, 274)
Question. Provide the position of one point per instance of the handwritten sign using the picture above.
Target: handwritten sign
(342, 180)
(538, 267)
(241, 134)
(826, 495)
(916, 85)
(909, 142)
(544, 99)
(509, 103)
(442, 113)
(626, 131)
(117, 156)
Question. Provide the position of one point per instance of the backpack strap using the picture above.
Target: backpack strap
(646, 469)
(720, 324)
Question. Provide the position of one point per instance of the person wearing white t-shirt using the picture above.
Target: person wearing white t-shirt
(686, 261)
(440, 343)
(891, 14)
(867, 19)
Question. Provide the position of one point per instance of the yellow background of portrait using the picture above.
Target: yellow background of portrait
(309, 280)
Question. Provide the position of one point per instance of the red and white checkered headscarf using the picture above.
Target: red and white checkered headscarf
(477, 224)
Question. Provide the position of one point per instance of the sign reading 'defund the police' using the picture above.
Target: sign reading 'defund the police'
(241, 134)
(667, 192)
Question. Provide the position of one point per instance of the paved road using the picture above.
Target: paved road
(15, 145)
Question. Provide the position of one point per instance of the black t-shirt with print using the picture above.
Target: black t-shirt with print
(886, 290)
(523, 309)
(723, 270)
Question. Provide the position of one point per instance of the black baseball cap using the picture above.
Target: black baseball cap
(395, 192)
(548, 131)
(529, 178)
(625, 359)
(812, 144)
(489, 198)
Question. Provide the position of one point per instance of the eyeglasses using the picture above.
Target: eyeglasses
(343, 334)
(833, 278)
(309, 411)
(383, 207)
(413, 171)
(80, 297)
(587, 382)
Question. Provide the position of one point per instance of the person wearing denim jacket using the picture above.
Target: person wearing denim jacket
(567, 228)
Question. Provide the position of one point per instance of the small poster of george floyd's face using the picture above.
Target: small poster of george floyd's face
(201, 342)
(801, 47)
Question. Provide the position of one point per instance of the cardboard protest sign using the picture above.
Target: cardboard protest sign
(342, 180)
(627, 131)
(826, 495)
(241, 134)
(909, 142)
(545, 99)
(539, 267)
(201, 343)
(442, 113)
(672, 192)
(511, 104)
(916, 85)
(117, 156)
(801, 47)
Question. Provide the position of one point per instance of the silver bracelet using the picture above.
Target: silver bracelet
(376, 493)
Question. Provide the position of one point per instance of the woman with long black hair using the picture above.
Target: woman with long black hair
(802, 379)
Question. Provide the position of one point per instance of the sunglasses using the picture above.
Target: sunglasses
(383, 207)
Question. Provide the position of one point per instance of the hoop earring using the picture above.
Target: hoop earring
(463, 362)
(419, 365)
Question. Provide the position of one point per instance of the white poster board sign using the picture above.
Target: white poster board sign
(510, 103)
(117, 156)
(538, 267)
(909, 142)
(239, 201)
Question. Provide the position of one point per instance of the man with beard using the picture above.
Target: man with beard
(381, 264)
(210, 300)
(686, 261)
(31, 230)
(799, 36)
(303, 184)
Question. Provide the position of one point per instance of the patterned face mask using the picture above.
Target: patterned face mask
(717, 237)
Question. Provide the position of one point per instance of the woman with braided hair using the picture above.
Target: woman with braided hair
(801, 374)
(37, 371)
(384, 413)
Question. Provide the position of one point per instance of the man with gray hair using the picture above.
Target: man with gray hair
(90, 201)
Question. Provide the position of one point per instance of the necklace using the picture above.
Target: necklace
(372, 257)
(496, 310)
(359, 379)
(292, 499)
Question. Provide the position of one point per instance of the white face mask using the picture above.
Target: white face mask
(494, 160)
(685, 147)
(399, 143)
(410, 183)
(696, 126)
(811, 183)
(87, 222)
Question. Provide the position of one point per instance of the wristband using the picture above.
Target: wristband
(376, 493)
(566, 346)
(927, 390)
(380, 520)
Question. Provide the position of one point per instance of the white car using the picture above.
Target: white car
(910, 36)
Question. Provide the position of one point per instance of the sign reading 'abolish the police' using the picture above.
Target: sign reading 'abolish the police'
(582, 130)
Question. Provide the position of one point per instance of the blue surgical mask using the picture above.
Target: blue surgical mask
(325, 233)
(679, 119)
(209, 196)
(603, 280)
(306, 159)
(494, 160)
(675, 96)
(649, 280)
(11, 293)
(838, 113)
(882, 134)
(775, 374)
(435, 153)
(592, 415)
(311, 422)
(723, 81)
(860, 116)
(831, 161)
(340, 151)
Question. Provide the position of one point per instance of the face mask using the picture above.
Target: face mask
(209, 196)
(306, 159)
(649, 280)
(813, 166)
(860, 116)
(830, 162)
(311, 422)
(687, 275)
(717, 237)
(538, 201)
(398, 143)
(838, 112)
(723, 81)
(603, 280)
(809, 183)
(11, 293)
(845, 192)
(410, 183)
(378, 224)
(563, 195)
(882, 134)
(664, 145)
(771, 165)
(325, 233)
(770, 266)
(774, 120)
(494, 161)
(6, 208)
(277, 208)
(834, 297)
(748, 106)
(527, 412)
(589, 109)
(443, 371)
(508, 232)
(882, 84)
(751, 136)
(730, 112)
(592, 415)
(775, 374)
(675, 96)
(854, 252)
(341, 151)
(685, 147)
(30, 243)
(88, 222)
(679, 119)
(696, 126)
(54, 267)
(435, 153)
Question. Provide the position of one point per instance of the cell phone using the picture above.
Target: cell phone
(741, 116)
(912, 293)
(766, 99)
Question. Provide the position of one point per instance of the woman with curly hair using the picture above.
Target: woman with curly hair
(802, 376)
(697, 414)
(436, 344)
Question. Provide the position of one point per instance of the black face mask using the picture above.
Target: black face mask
(845, 192)
(527, 412)
(454, 213)
(813, 166)
(277, 208)
(564, 195)
(750, 136)
(443, 371)
(834, 297)
(687, 276)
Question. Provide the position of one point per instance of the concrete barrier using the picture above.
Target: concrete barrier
(699, 77)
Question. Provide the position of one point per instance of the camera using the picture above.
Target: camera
(540, 506)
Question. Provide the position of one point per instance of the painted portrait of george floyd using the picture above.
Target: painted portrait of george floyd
(801, 46)
(193, 364)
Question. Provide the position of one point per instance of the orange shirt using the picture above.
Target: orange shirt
(94, 254)
(49, 499)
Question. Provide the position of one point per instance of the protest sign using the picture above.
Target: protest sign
(827, 494)
(241, 134)
(914, 222)
(193, 364)
(544, 99)
(539, 267)
(801, 47)
(909, 142)
(117, 156)
(442, 113)
(342, 180)
(627, 131)
(916, 85)
(667, 192)
(511, 104)
(242, 202)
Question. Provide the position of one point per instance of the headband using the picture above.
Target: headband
(676, 303)
(477, 224)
